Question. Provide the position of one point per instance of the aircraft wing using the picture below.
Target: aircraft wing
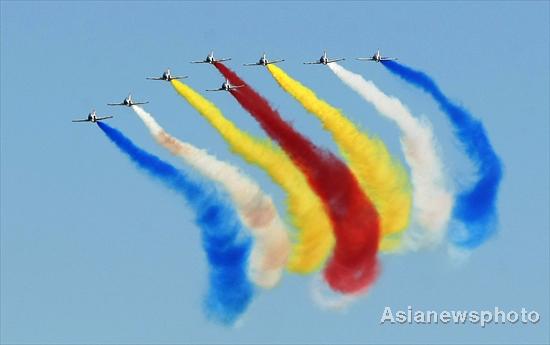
(251, 64)
(312, 63)
(236, 86)
(199, 62)
(365, 59)
(154, 78)
(83, 120)
(387, 58)
(115, 103)
(179, 77)
(220, 89)
(225, 59)
(275, 61)
(335, 60)
(103, 118)
(139, 103)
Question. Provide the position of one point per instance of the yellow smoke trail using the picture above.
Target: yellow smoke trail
(382, 177)
(255, 208)
(314, 240)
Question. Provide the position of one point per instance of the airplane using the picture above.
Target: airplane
(377, 57)
(263, 62)
(167, 76)
(226, 86)
(128, 101)
(92, 117)
(323, 60)
(211, 59)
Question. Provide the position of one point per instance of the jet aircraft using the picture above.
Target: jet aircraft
(128, 101)
(226, 86)
(377, 57)
(263, 61)
(211, 59)
(167, 76)
(323, 60)
(92, 117)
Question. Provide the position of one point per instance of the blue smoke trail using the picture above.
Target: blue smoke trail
(475, 207)
(224, 239)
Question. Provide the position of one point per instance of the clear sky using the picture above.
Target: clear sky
(93, 251)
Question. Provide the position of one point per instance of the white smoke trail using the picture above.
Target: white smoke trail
(432, 199)
(328, 299)
(255, 208)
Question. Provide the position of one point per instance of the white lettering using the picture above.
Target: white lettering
(474, 317)
(401, 316)
(445, 316)
(513, 319)
(535, 318)
(387, 316)
(459, 316)
(419, 317)
(486, 317)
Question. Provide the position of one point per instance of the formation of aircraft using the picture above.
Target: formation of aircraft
(376, 57)
(263, 61)
(128, 101)
(167, 76)
(226, 86)
(92, 117)
(211, 59)
(323, 60)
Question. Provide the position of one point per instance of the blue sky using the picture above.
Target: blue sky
(93, 251)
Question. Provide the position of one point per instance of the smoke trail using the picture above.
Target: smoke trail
(226, 243)
(382, 177)
(314, 240)
(354, 265)
(475, 206)
(432, 201)
(256, 209)
(327, 299)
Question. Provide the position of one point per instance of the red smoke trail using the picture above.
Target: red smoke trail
(354, 264)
